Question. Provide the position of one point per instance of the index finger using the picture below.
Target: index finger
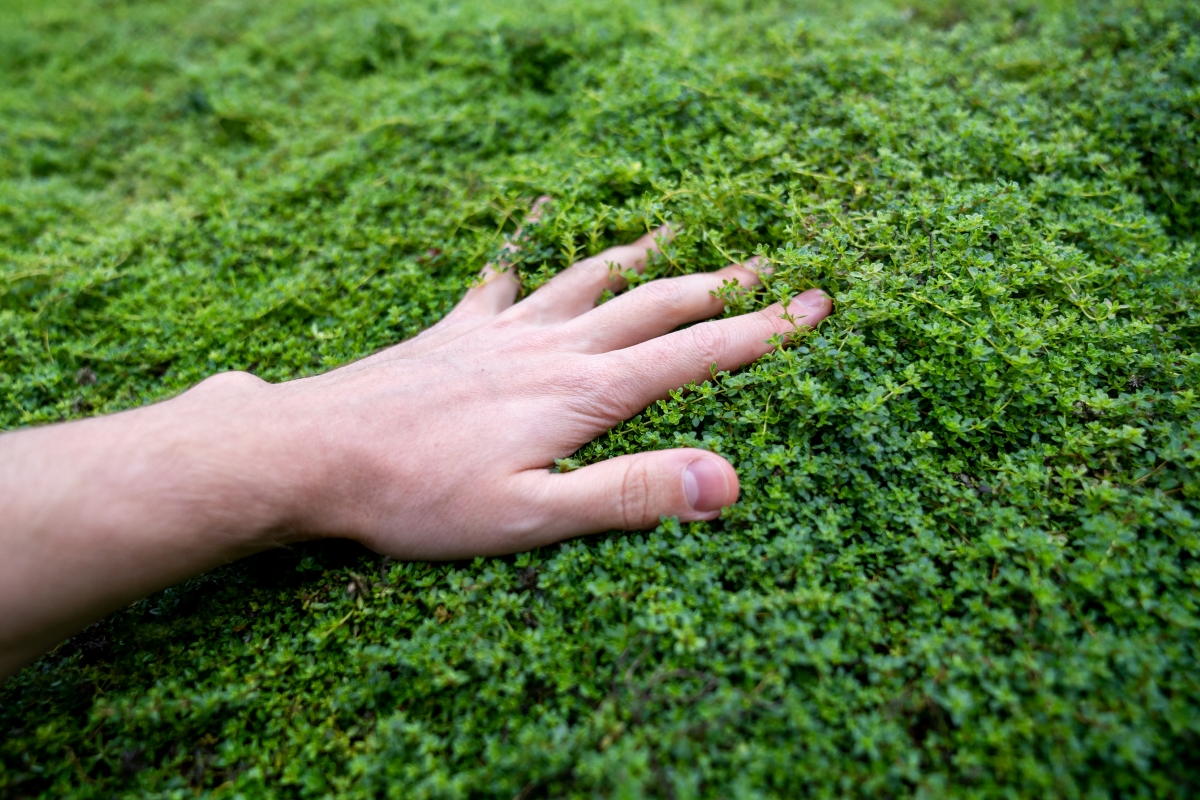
(651, 370)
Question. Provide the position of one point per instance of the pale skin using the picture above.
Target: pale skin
(440, 447)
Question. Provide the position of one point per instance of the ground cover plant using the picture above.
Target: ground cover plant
(965, 560)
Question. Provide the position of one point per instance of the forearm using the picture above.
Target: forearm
(101, 512)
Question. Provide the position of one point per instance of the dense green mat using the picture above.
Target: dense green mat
(966, 556)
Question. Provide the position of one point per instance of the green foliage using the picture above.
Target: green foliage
(965, 561)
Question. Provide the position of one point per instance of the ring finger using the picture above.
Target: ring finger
(575, 290)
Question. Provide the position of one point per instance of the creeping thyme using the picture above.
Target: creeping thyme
(965, 557)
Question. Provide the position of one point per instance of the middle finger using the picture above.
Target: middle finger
(655, 308)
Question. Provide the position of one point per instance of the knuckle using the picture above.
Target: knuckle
(774, 322)
(595, 390)
(709, 340)
(664, 295)
(589, 272)
(616, 254)
(636, 495)
(743, 276)
(584, 384)
(228, 385)
(615, 392)
(595, 267)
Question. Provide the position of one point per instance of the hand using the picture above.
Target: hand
(440, 447)
(437, 448)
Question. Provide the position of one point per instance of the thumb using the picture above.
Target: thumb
(633, 492)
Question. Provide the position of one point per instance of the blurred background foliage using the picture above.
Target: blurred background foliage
(965, 558)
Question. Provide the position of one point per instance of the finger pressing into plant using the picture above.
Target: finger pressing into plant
(649, 371)
(575, 290)
(481, 303)
(499, 282)
(657, 307)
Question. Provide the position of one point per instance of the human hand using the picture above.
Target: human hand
(437, 448)
(440, 447)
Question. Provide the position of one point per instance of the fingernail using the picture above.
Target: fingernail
(705, 485)
(810, 307)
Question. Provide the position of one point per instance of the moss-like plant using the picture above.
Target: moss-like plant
(965, 559)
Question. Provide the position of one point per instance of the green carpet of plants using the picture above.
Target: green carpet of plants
(965, 561)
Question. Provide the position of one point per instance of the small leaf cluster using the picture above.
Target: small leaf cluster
(965, 559)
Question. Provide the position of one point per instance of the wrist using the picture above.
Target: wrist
(110, 509)
(233, 460)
